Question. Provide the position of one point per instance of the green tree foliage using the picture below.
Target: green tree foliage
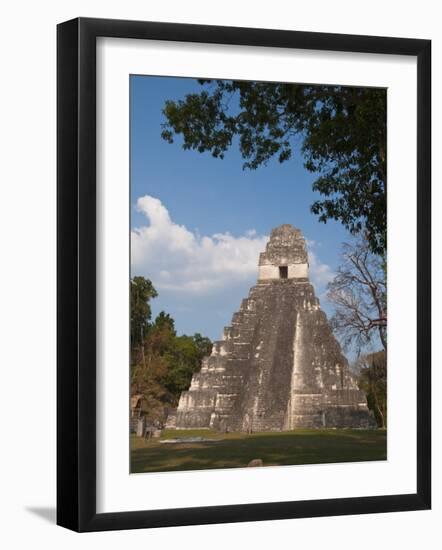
(164, 321)
(147, 381)
(162, 363)
(372, 378)
(183, 360)
(342, 132)
(141, 292)
(203, 344)
(161, 334)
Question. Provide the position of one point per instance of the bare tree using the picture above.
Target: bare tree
(359, 293)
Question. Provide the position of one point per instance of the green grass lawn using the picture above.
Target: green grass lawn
(236, 450)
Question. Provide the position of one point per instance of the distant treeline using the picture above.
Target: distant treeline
(162, 363)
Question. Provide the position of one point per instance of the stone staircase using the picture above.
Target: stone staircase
(278, 366)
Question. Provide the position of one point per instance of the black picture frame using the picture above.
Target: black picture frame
(76, 274)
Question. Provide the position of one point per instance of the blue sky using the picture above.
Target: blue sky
(206, 212)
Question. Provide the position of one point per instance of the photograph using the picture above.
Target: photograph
(235, 324)
(258, 274)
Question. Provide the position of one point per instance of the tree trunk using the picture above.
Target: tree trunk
(142, 347)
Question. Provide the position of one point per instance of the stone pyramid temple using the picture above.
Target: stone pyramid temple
(279, 366)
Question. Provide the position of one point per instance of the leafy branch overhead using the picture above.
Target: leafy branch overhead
(341, 131)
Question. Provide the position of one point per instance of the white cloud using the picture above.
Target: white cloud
(320, 274)
(178, 259)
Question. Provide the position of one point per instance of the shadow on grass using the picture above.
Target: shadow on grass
(287, 448)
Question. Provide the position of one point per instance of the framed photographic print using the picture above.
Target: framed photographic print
(243, 310)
